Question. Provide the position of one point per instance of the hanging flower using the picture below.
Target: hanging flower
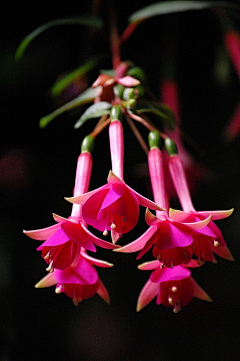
(78, 282)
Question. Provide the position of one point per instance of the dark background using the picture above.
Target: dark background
(37, 170)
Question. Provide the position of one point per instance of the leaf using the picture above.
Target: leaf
(94, 111)
(163, 112)
(85, 97)
(168, 7)
(84, 20)
(64, 82)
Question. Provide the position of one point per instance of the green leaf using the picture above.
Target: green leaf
(85, 97)
(167, 7)
(163, 112)
(83, 20)
(64, 82)
(94, 111)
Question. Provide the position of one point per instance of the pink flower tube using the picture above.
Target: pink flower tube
(203, 245)
(114, 206)
(64, 239)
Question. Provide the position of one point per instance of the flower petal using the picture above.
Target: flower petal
(128, 81)
(199, 292)
(150, 265)
(147, 294)
(42, 234)
(57, 239)
(77, 234)
(102, 292)
(169, 274)
(47, 281)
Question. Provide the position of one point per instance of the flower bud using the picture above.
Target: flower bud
(87, 144)
(170, 146)
(153, 139)
(116, 113)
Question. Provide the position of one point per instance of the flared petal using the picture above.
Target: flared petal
(95, 261)
(98, 241)
(102, 292)
(128, 81)
(78, 235)
(199, 292)
(42, 234)
(84, 274)
(150, 218)
(59, 219)
(147, 294)
(172, 235)
(169, 274)
(84, 197)
(150, 265)
(47, 281)
(139, 242)
(223, 252)
(57, 239)
(217, 214)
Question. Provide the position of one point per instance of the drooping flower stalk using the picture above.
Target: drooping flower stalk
(203, 245)
(63, 241)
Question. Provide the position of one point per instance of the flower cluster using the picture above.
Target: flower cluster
(179, 239)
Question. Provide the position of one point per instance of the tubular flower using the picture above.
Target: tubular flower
(64, 239)
(203, 244)
(174, 288)
(172, 240)
(78, 282)
(114, 206)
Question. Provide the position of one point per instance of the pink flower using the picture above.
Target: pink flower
(203, 245)
(105, 83)
(78, 282)
(65, 239)
(114, 206)
(173, 287)
(172, 240)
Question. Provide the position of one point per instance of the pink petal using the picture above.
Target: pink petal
(223, 252)
(115, 192)
(147, 294)
(199, 292)
(217, 214)
(98, 241)
(95, 261)
(57, 239)
(84, 274)
(42, 234)
(77, 234)
(59, 219)
(150, 265)
(128, 81)
(47, 281)
(138, 243)
(84, 197)
(150, 218)
(171, 235)
(169, 274)
(102, 292)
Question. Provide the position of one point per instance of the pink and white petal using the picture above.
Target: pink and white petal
(217, 214)
(84, 197)
(43, 233)
(98, 241)
(150, 265)
(115, 236)
(147, 294)
(139, 243)
(128, 81)
(47, 281)
(199, 292)
(112, 178)
(178, 216)
(59, 219)
(199, 224)
(102, 292)
(150, 218)
(96, 262)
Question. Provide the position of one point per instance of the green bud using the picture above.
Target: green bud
(128, 93)
(116, 113)
(118, 90)
(131, 103)
(153, 139)
(170, 146)
(87, 144)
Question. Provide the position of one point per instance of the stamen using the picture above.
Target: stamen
(170, 300)
(174, 289)
(105, 233)
(113, 226)
(177, 308)
(215, 243)
(50, 267)
(58, 290)
(47, 256)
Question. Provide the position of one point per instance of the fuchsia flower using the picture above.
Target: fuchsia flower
(65, 239)
(114, 206)
(105, 83)
(78, 282)
(203, 244)
(173, 287)
(171, 239)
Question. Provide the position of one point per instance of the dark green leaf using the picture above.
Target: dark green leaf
(83, 20)
(64, 82)
(168, 7)
(94, 111)
(85, 97)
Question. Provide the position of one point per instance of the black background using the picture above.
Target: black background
(37, 170)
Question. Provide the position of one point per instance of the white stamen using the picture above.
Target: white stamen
(50, 267)
(105, 233)
(215, 243)
(174, 289)
(113, 226)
